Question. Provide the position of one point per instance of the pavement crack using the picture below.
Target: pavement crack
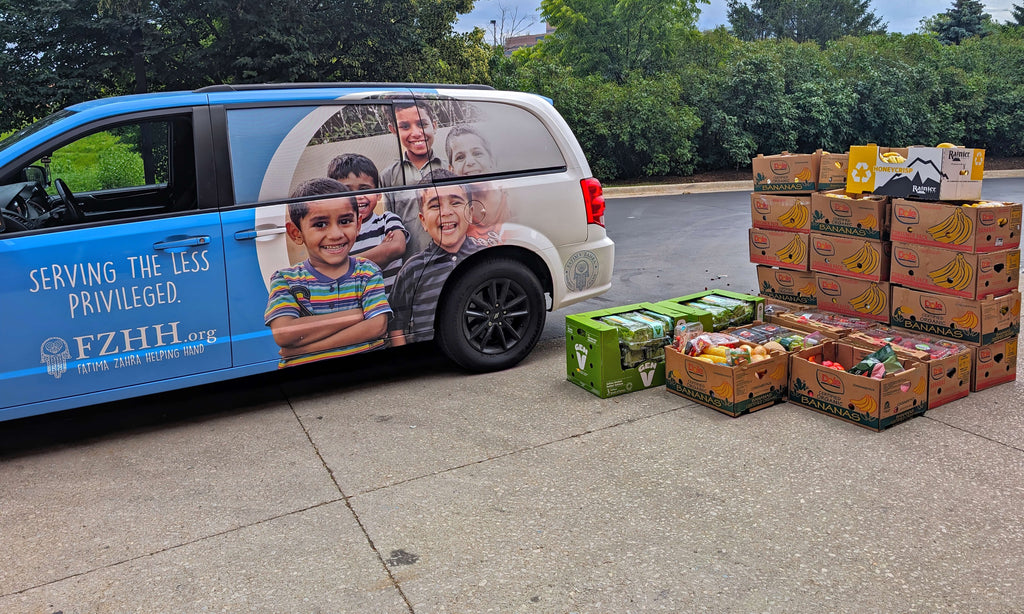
(978, 435)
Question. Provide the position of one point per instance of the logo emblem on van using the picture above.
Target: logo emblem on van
(581, 271)
(54, 353)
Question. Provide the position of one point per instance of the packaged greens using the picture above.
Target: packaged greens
(740, 312)
(630, 331)
(658, 326)
(720, 316)
(884, 355)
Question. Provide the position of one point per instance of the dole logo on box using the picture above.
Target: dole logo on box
(985, 265)
(824, 247)
(906, 257)
(829, 286)
(761, 205)
(830, 382)
(780, 167)
(933, 306)
(987, 218)
(696, 371)
(760, 240)
(840, 209)
(906, 214)
(784, 279)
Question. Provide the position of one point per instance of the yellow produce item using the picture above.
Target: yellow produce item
(717, 350)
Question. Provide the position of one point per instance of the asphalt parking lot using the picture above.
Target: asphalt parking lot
(429, 490)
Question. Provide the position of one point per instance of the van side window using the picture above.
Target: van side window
(276, 150)
(489, 138)
(123, 171)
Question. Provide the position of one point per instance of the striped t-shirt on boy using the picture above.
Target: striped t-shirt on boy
(301, 290)
(372, 233)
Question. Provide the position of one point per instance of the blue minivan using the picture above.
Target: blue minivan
(160, 241)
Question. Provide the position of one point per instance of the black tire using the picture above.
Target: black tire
(491, 316)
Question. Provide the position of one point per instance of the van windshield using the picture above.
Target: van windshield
(34, 127)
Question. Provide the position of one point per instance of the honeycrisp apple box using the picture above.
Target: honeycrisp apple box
(949, 371)
(786, 250)
(850, 257)
(860, 298)
(785, 285)
(994, 364)
(971, 227)
(926, 173)
(786, 173)
(871, 403)
(944, 271)
(780, 212)
(837, 212)
(972, 321)
(594, 356)
(731, 390)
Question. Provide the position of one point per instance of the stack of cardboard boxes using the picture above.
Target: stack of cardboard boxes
(906, 243)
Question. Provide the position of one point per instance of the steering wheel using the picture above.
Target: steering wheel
(72, 213)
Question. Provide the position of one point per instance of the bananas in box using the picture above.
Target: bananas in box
(853, 297)
(786, 250)
(786, 173)
(850, 257)
(972, 321)
(935, 269)
(875, 404)
(778, 212)
(980, 227)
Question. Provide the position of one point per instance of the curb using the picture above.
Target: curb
(676, 189)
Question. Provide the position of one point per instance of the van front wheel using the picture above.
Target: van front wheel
(492, 316)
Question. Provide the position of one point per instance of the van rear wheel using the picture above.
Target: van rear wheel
(492, 316)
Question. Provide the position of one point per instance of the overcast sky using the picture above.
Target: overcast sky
(901, 15)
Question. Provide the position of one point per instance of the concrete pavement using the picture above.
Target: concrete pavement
(436, 491)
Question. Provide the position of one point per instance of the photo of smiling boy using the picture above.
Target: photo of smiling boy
(469, 154)
(415, 126)
(444, 215)
(333, 303)
(382, 236)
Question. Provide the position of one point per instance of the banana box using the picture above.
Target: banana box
(833, 170)
(594, 353)
(947, 363)
(994, 364)
(786, 250)
(786, 173)
(936, 269)
(870, 403)
(926, 173)
(860, 298)
(734, 391)
(780, 212)
(850, 257)
(971, 321)
(853, 215)
(985, 226)
(785, 285)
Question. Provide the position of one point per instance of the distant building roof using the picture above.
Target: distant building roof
(525, 40)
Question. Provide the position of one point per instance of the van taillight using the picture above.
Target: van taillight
(593, 198)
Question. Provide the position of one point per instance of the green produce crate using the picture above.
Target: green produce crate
(594, 354)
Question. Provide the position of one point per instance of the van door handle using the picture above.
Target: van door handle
(243, 235)
(182, 244)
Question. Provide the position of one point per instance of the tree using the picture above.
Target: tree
(966, 18)
(614, 38)
(802, 20)
(1018, 15)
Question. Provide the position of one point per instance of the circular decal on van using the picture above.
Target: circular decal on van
(581, 271)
